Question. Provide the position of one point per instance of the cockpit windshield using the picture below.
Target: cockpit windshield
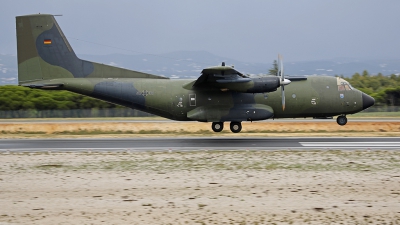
(343, 85)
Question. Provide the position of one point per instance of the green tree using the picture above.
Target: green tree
(274, 69)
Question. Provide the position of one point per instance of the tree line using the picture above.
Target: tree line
(23, 98)
(23, 102)
(385, 90)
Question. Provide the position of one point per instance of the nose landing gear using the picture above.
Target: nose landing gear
(341, 120)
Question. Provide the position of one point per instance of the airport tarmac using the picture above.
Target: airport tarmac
(199, 187)
(51, 174)
(162, 120)
(193, 144)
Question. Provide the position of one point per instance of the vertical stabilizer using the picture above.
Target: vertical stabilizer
(43, 50)
(44, 53)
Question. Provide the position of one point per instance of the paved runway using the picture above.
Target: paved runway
(190, 144)
(160, 120)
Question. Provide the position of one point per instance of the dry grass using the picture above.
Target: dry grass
(196, 128)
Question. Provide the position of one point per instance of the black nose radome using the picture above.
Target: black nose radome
(368, 101)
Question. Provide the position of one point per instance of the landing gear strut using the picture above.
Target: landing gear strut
(217, 126)
(341, 120)
(236, 127)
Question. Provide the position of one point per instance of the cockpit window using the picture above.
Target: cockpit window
(343, 85)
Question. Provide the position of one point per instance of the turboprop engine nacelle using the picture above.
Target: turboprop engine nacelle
(264, 84)
(250, 85)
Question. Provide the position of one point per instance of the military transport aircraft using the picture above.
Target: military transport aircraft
(221, 94)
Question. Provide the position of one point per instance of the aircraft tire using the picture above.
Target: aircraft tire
(217, 126)
(236, 127)
(341, 120)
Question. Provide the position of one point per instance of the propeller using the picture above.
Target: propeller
(282, 80)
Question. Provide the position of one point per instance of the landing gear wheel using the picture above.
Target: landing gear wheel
(217, 126)
(236, 127)
(341, 120)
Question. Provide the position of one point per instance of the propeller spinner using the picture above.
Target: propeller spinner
(282, 80)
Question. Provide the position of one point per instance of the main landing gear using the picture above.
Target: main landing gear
(235, 127)
(341, 120)
(217, 126)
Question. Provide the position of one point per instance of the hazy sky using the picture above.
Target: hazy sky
(251, 30)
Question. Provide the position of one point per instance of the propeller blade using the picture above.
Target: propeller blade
(283, 97)
(282, 80)
(282, 75)
(279, 67)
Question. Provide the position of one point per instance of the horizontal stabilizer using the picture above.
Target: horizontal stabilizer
(44, 86)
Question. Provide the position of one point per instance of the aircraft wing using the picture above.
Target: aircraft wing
(220, 75)
(226, 78)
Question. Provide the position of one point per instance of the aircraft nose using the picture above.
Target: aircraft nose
(368, 101)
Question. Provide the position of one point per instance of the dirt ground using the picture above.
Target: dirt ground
(165, 128)
(201, 187)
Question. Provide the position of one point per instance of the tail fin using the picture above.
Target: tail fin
(44, 53)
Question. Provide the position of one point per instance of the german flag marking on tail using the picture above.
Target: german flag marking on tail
(47, 41)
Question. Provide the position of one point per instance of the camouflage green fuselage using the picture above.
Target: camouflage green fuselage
(318, 96)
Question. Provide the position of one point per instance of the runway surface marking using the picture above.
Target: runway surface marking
(350, 144)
